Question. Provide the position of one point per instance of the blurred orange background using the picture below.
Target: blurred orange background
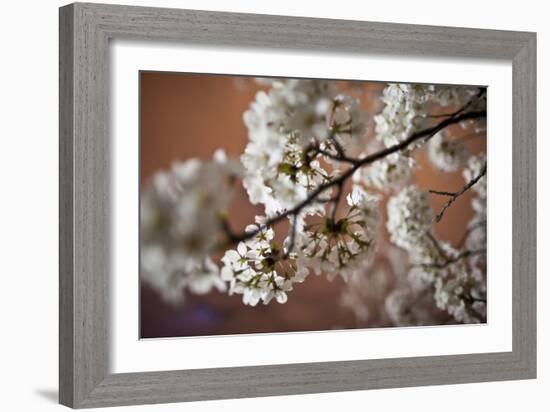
(192, 115)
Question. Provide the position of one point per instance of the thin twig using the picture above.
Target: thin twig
(463, 255)
(456, 195)
(437, 192)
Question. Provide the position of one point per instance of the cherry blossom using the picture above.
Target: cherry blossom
(345, 182)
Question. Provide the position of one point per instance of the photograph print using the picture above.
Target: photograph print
(272, 205)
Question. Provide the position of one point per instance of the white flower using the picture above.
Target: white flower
(283, 124)
(259, 270)
(236, 262)
(447, 297)
(409, 217)
(290, 106)
(402, 114)
(446, 155)
(183, 205)
(367, 204)
(281, 181)
(446, 95)
(344, 246)
(348, 123)
(407, 107)
(265, 81)
(476, 238)
(459, 286)
(463, 297)
(391, 172)
(203, 277)
(278, 290)
(180, 224)
(170, 272)
(398, 306)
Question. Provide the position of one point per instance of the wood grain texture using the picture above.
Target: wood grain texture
(66, 229)
(85, 31)
(524, 125)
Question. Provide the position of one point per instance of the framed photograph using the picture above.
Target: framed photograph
(257, 205)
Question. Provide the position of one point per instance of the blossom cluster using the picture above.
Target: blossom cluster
(259, 270)
(346, 245)
(408, 106)
(407, 109)
(458, 285)
(280, 124)
(181, 223)
(284, 125)
(445, 154)
(409, 218)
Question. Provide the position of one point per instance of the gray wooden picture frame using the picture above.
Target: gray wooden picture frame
(85, 31)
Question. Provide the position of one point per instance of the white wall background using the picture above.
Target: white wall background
(28, 205)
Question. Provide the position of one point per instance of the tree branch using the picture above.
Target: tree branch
(455, 195)
(356, 164)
